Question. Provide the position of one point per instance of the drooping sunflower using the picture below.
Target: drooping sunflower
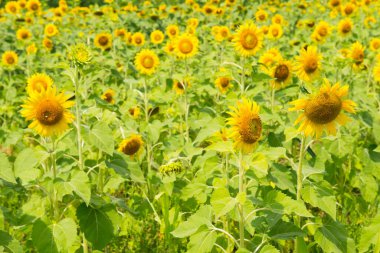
(49, 111)
(186, 45)
(50, 30)
(9, 59)
(33, 5)
(275, 31)
(308, 64)
(157, 37)
(146, 61)
(23, 34)
(108, 96)
(282, 73)
(38, 82)
(103, 41)
(248, 39)
(323, 110)
(223, 83)
(356, 53)
(172, 31)
(134, 112)
(345, 26)
(374, 44)
(246, 126)
(131, 146)
(138, 39)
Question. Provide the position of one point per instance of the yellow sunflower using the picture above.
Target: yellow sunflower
(282, 73)
(348, 9)
(48, 44)
(374, 44)
(376, 72)
(275, 31)
(50, 30)
(9, 58)
(180, 87)
(172, 31)
(157, 37)
(146, 61)
(322, 29)
(31, 49)
(121, 33)
(345, 26)
(33, 5)
(169, 47)
(309, 64)
(108, 96)
(323, 110)
(103, 41)
(334, 3)
(134, 112)
(278, 19)
(223, 83)
(138, 39)
(131, 146)
(186, 45)
(12, 7)
(248, 39)
(223, 33)
(23, 34)
(245, 125)
(356, 53)
(49, 112)
(261, 15)
(38, 82)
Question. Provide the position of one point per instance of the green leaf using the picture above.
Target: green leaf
(126, 169)
(195, 221)
(285, 230)
(6, 171)
(222, 202)
(202, 242)
(269, 249)
(370, 235)
(332, 237)
(64, 234)
(278, 202)
(222, 147)
(96, 226)
(9, 243)
(24, 166)
(319, 196)
(80, 184)
(101, 137)
(260, 165)
(43, 239)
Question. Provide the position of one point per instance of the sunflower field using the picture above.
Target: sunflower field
(190, 126)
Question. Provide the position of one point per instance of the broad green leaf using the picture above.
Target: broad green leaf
(34, 208)
(269, 249)
(259, 165)
(278, 202)
(6, 171)
(64, 234)
(126, 169)
(42, 236)
(285, 230)
(101, 137)
(194, 222)
(274, 153)
(222, 147)
(9, 243)
(222, 202)
(320, 197)
(332, 237)
(25, 163)
(96, 226)
(80, 184)
(202, 242)
(370, 235)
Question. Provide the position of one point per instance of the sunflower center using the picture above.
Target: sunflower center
(132, 147)
(275, 32)
(13, 9)
(10, 60)
(324, 108)
(185, 46)
(322, 31)
(173, 32)
(250, 131)
(34, 6)
(103, 40)
(248, 40)
(138, 40)
(180, 86)
(376, 45)
(24, 35)
(262, 17)
(358, 57)
(311, 66)
(348, 10)
(147, 62)
(49, 112)
(50, 30)
(281, 73)
(224, 82)
(335, 3)
(157, 37)
(346, 28)
(108, 97)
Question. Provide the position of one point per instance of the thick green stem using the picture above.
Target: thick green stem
(78, 118)
(241, 207)
(297, 220)
(101, 180)
(84, 244)
(146, 104)
(242, 88)
(53, 197)
(186, 102)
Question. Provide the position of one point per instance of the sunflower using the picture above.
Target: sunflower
(309, 64)
(275, 31)
(12, 7)
(278, 19)
(22, 3)
(80, 54)
(23, 34)
(9, 59)
(31, 49)
(131, 146)
(108, 96)
(138, 39)
(323, 110)
(282, 73)
(270, 57)
(103, 41)
(49, 111)
(374, 44)
(376, 72)
(33, 5)
(38, 82)
(348, 9)
(157, 37)
(146, 61)
(245, 125)
(223, 33)
(356, 53)
(48, 44)
(134, 112)
(223, 83)
(50, 30)
(322, 29)
(121, 33)
(180, 87)
(193, 22)
(169, 47)
(248, 39)
(186, 45)
(261, 15)
(334, 3)
(345, 26)
(172, 31)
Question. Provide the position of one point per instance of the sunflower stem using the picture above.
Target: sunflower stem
(148, 155)
(297, 219)
(241, 207)
(84, 244)
(242, 88)
(53, 196)
(78, 118)
(272, 100)
(187, 106)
